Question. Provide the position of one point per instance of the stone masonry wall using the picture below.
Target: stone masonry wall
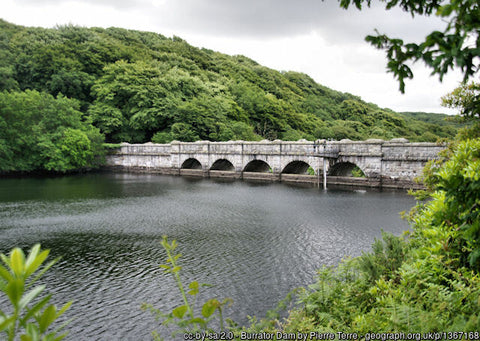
(395, 160)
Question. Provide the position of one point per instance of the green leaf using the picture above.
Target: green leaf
(445, 11)
(35, 309)
(60, 337)
(209, 307)
(64, 308)
(26, 299)
(33, 333)
(179, 312)
(14, 291)
(32, 255)
(5, 274)
(176, 269)
(44, 269)
(48, 316)
(5, 260)
(33, 264)
(17, 262)
(197, 320)
(5, 323)
(194, 286)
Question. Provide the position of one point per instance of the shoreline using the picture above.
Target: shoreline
(310, 180)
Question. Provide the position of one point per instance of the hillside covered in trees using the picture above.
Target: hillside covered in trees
(137, 87)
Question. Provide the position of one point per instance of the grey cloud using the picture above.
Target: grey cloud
(262, 18)
(120, 4)
(266, 19)
(269, 18)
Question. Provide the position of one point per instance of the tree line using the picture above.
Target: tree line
(130, 86)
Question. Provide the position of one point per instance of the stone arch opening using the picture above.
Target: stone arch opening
(257, 166)
(297, 167)
(222, 164)
(346, 169)
(191, 164)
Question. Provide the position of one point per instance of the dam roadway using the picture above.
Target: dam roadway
(385, 164)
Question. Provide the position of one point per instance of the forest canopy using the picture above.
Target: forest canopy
(139, 86)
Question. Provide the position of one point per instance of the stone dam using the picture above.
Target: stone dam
(385, 164)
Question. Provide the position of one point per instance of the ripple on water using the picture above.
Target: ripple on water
(252, 242)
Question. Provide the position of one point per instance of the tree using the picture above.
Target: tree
(458, 46)
(465, 98)
(39, 132)
(184, 132)
(131, 101)
(355, 111)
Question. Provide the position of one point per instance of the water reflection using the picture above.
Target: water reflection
(253, 241)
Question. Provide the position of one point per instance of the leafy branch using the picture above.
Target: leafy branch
(184, 316)
(28, 319)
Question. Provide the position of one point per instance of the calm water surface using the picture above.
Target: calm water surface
(254, 242)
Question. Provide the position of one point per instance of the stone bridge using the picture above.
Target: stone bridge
(393, 163)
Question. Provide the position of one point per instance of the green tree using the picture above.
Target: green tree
(457, 46)
(354, 111)
(465, 98)
(291, 135)
(162, 137)
(40, 132)
(184, 132)
(132, 101)
(243, 131)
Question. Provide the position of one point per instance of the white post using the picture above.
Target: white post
(324, 175)
(318, 176)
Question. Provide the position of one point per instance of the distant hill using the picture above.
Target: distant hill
(141, 86)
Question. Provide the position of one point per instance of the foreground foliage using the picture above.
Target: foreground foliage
(456, 47)
(184, 316)
(30, 317)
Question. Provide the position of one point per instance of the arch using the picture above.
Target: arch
(191, 163)
(346, 169)
(257, 166)
(222, 164)
(296, 167)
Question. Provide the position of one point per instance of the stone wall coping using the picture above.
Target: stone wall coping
(414, 144)
(392, 143)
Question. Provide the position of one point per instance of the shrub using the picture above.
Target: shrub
(31, 317)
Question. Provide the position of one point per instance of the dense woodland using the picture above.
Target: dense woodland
(136, 87)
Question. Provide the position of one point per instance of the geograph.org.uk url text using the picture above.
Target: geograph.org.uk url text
(433, 336)
(341, 336)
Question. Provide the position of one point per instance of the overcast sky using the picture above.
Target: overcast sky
(311, 36)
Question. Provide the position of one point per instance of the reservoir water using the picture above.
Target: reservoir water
(253, 242)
